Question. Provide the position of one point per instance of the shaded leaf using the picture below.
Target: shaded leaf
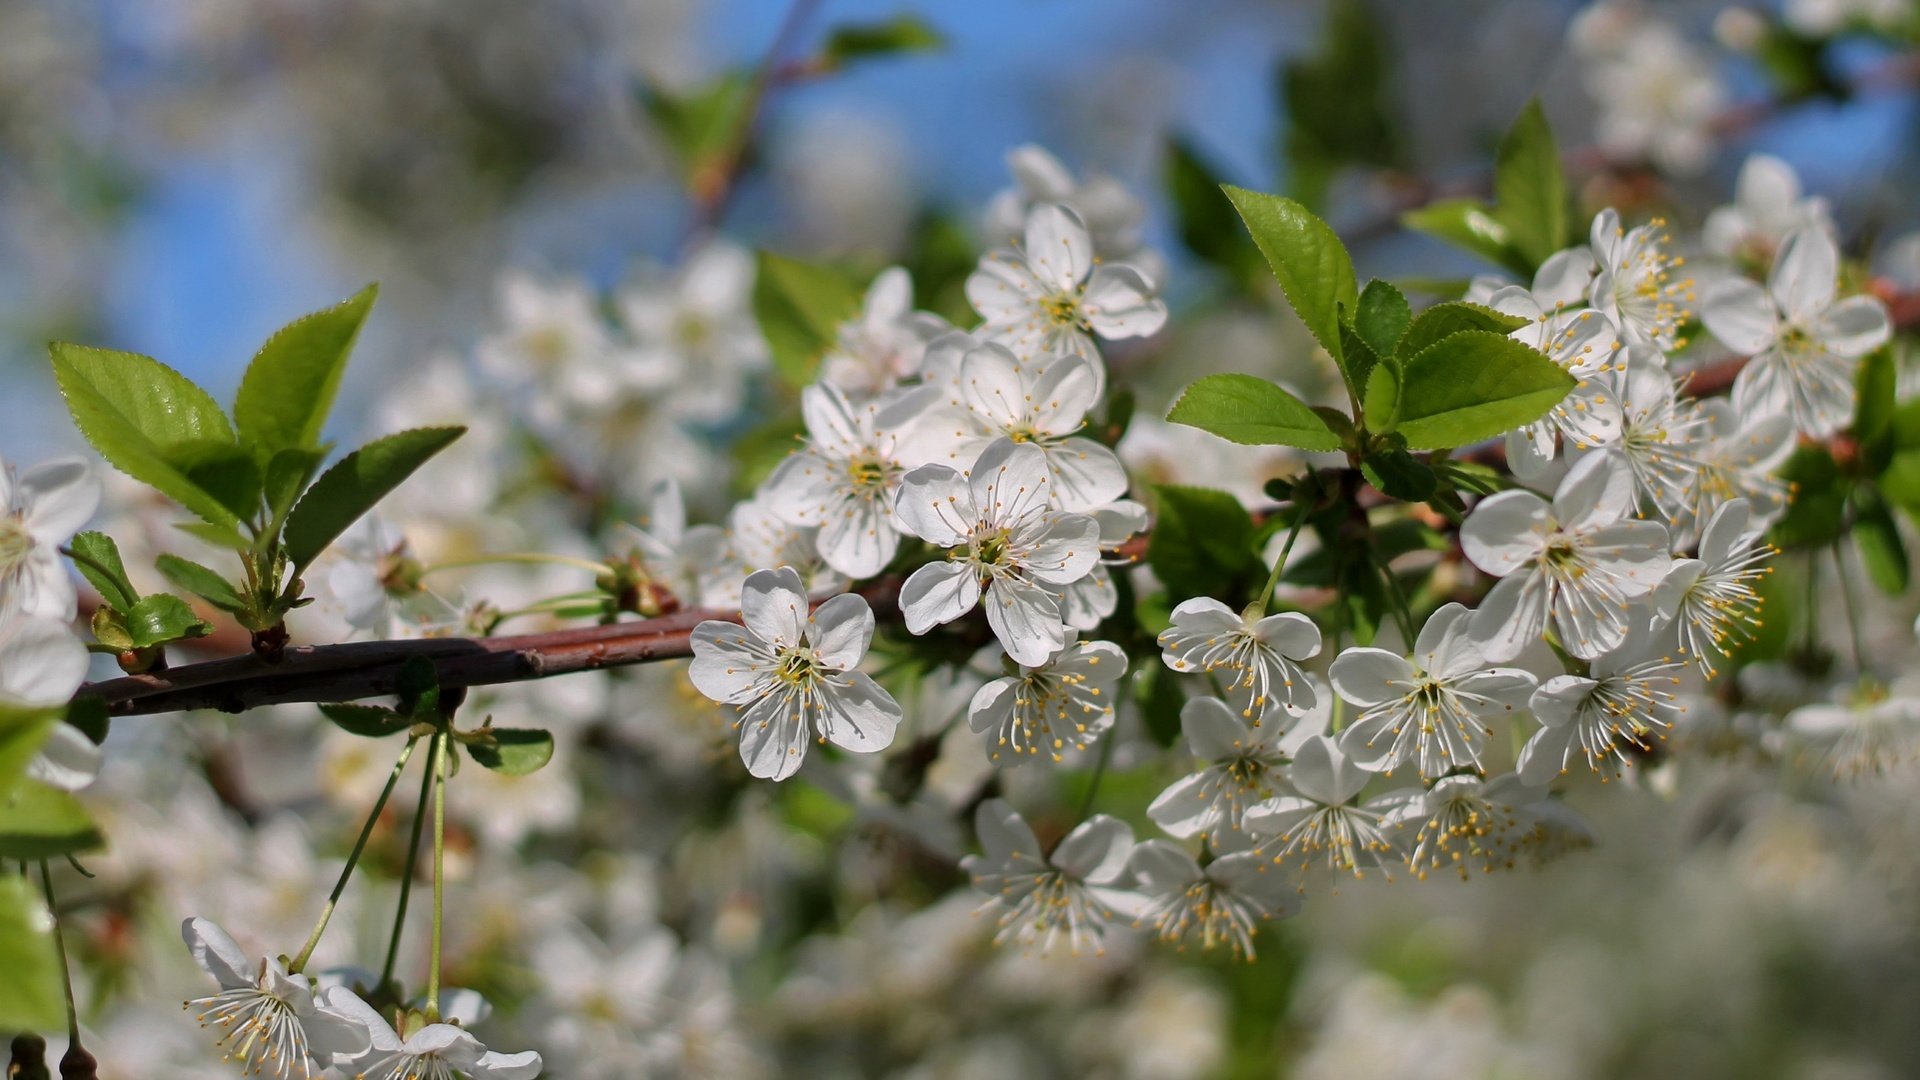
(514, 751)
(800, 307)
(367, 721)
(1202, 541)
(38, 821)
(1530, 191)
(97, 558)
(160, 618)
(1475, 385)
(202, 582)
(355, 485)
(32, 995)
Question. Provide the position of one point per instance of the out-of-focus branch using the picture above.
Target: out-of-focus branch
(713, 186)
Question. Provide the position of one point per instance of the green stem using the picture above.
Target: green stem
(1813, 608)
(1099, 771)
(406, 879)
(1853, 611)
(438, 768)
(519, 557)
(1401, 609)
(60, 946)
(353, 859)
(1259, 605)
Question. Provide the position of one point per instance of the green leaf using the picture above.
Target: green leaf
(355, 485)
(1206, 222)
(1876, 536)
(288, 473)
(1818, 513)
(1475, 385)
(904, 33)
(202, 582)
(368, 721)
(89, 714)
(290, 385)
(1445, 320)
(1381, 404)
(38, 821)
(1382, 318)
(32, 995)
(161, 618)
(225, 471)
(1253, 412)
(1338, 103)
(1399, 474)
(1876, 399)
(1158, 691)
(800, 307)
(1469, 224)
(147, 420)
(1308, 259)
(97, 558)
(22, 731)
(1530, 192)
(1202, 541)
(700, 127)
(514, 751)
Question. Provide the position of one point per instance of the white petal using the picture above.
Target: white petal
(41, 661)
(938, 593)
(1096, 851)
(773, 604)
(859, 716)
(727, 662)
(1003, 833)
(1119, 303)
(494, 1065)
(60, 496)
(1066, 389)
(1597, 491)
(1026, 619)
(1544, 755)
(217, 954)
(1009, 482)
(1738, 312)
(1854, 327)
(936, 504)
(1184, 808)
(1004, 291)
(840, 629)
(1804, 273)
(992, 382)
(1502, 534)
(857, 537)
(68, 760)
(1213, 731)
(1513, 616)
(1057, 247)
(1367, 676)
(1163, 868)
(1290, 634)
(773, 738)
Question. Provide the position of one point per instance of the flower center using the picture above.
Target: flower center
(993, 548)
(799, 668)
(866, 471)
(1062, 309)
(15, 543)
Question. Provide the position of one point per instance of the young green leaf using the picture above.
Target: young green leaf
(39, 821)
(1382, 318)
(1876, 397)
(699, 126)
(148, 420)
(31, 995)
(1445, 320)
(1474, 385)
(514, 751)
(289, 387)
(903, 33)
(1530, 192)
(1202, 540)
(1252, 411)
(1876, 536)
(160, 618)
(367, 721)
(1469, 224)
(1818, 513)
(1399, 474)
(800, 307)
(202, 582)
(354, 485)
(97, 558)
(1310, 261)
(1381, 404)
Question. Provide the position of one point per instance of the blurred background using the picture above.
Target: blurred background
(180, 178)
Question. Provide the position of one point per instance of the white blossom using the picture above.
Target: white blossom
(844, 481)
(41, 664)
(1065, 702)
(1259, 655)
(1049, 297)
(1627, 698)
(41, 509)
(1222, 904)
(1006, 547)
(1640, 284)
(1070, 897)
(1767, 206)
(1468, 822)
(1804, 345)
(696, 326)
(1712, 601)
(1319, 813)
(793, 670)
(1245, 762)
(885, 343)
(267, 1018)
(436, 1051)
(1433, 709)
(1570, 565)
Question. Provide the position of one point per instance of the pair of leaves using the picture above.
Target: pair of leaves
(512, 751)
(128, 620)
(1528, 220)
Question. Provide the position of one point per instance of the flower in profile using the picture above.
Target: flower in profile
(1767, 206)
(429, 1051)
(1433, 709)
(1258, 654)
(1007, 549)
(1572, 565)
(1637, 285)
(41, 664)
(1071, 897)
(267, 1018)
(1247, 762)
(1713, 602)
(793, 670)
(1221, 904)
(1657, 441)
(1048, 297)
(1065, 702)
(1320, 813)
(1468, 823)
(1738, 454)
(1627, 698)
(40, 509)
(843, 482)
(1804, 345)
(1871, 730)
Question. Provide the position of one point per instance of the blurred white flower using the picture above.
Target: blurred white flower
(1737, 453)
(1712, 601)
(1869, 731)
(1222, 904)
(1245, 763)
(1007, 548)
(794, 671)
(1627, 698)
(1767, 207)
(885, 343)
(1073, 896)
(1658, 94)
(1111, 213)
(438, 1051)
(1636, 285)
(1467, 822)
(41, 509)
(1804, 345)
(1319, 813)
(694, 335)
(1570, 565)
(41, 664)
